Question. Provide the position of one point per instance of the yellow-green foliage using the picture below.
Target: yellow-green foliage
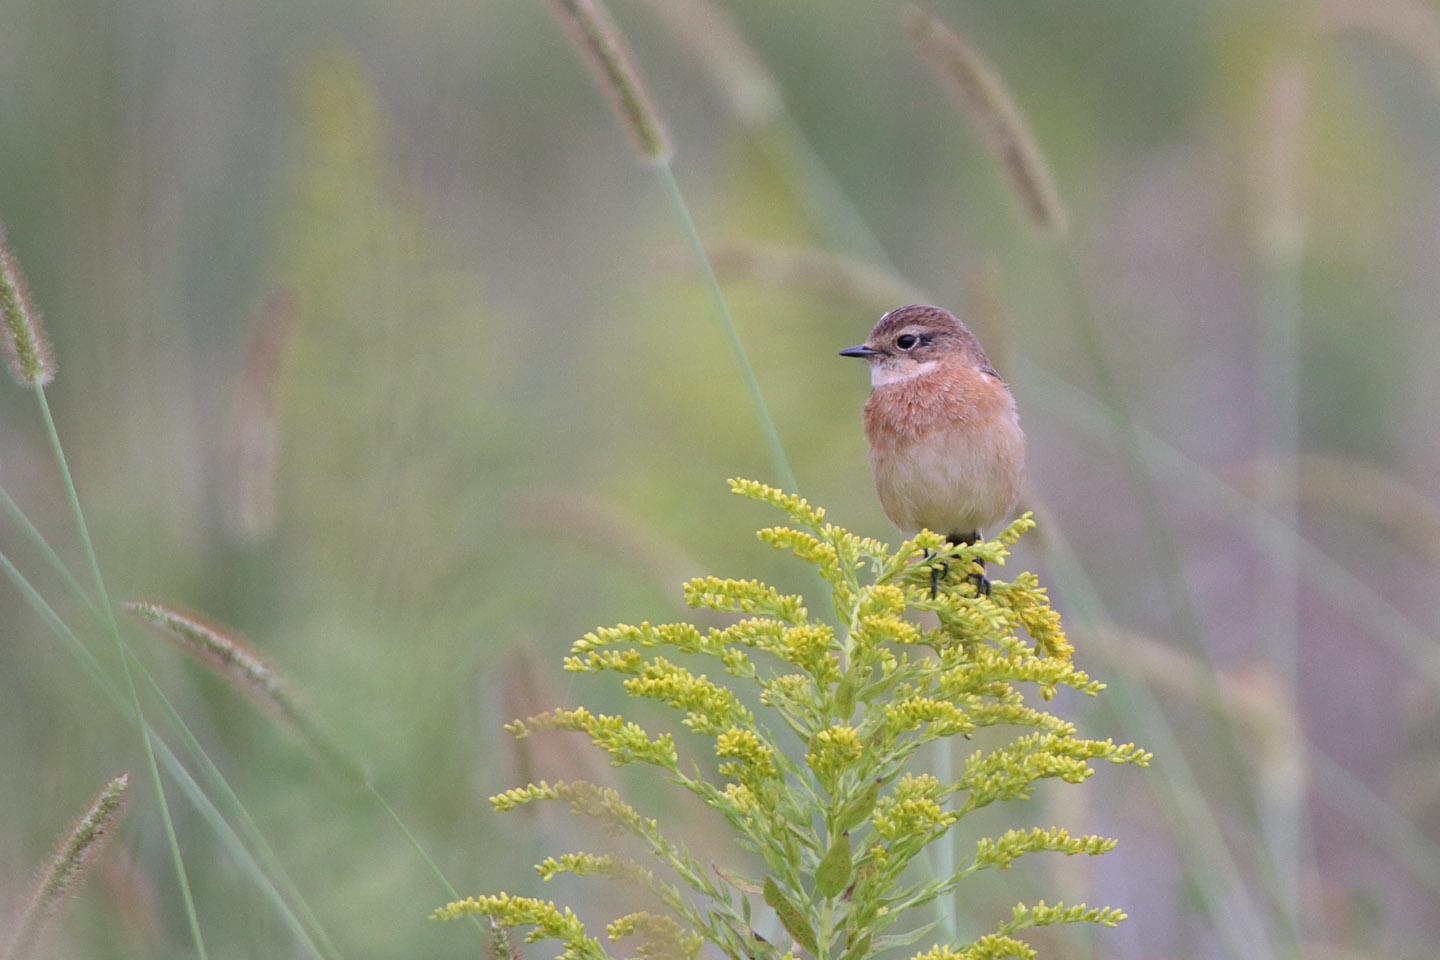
(837, 827)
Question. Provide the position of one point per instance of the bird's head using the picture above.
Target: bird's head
(915, 340)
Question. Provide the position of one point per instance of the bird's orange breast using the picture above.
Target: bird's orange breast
(946, 450)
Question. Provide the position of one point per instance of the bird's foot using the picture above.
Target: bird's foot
(938, 572)
(982, 582)
(941, 569)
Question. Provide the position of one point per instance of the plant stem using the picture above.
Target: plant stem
(1283, 812)
(1192, 823)
(778, 459)
(124, 653)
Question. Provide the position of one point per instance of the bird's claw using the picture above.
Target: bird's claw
(939, 571)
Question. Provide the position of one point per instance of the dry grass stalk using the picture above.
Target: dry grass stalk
(996, 119)
(66, 869)
(1279, 166)
(985, 312)
(1249, 695)
(26, 347)
(601, 45)
(253, 422)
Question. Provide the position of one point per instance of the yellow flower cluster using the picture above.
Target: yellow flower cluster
(839, 829)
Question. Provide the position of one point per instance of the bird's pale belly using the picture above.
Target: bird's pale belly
(952, 485)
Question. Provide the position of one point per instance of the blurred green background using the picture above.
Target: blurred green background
(377, 344)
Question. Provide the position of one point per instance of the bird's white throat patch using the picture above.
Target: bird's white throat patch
(881, 374)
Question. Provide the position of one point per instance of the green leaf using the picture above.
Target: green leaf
(845, 697)
(858, 809)
(833, 873)
(743, 884)
(791, 917)
(859, 950)
(904, 939)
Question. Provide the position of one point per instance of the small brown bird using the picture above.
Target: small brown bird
(946, 448)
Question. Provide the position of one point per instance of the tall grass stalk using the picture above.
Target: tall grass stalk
(776, 449)
(1217, 878)
(1001, 127)
(180, 775)
(1375, 818)
(603, 49)
(37, 540)
(305, 925)
(1364, 606)
(996, 119)
(123, 652)
(65, 870)
(1281, 252)
(754, 97)
(258, 857)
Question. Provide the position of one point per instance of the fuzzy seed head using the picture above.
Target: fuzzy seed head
(996, 119)
(222, 651)
(66, 868)
(26, 348)
(601, 45)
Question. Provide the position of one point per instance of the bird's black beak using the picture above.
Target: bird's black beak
(862, 351)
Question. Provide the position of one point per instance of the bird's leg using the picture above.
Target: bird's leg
(937, 573)
(982, 583)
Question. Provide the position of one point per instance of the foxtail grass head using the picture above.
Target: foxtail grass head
(603, 48)
(232, 659)
(66, 868)
(26, 348)
(995, 117)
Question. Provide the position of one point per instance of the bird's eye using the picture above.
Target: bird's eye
(907, 341)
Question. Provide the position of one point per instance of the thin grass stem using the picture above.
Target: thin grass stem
(262, 865)
(325, 947)
(1280, 253)
(754, 97)
(92, 668)
(1364, 607)
(113, 627)
(941, 858)
(1208, 863)
(38, 541)
(778, 459)
(1377, 819)
(601, 45)
(1166, 554)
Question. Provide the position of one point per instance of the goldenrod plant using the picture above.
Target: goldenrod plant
(838, 827)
